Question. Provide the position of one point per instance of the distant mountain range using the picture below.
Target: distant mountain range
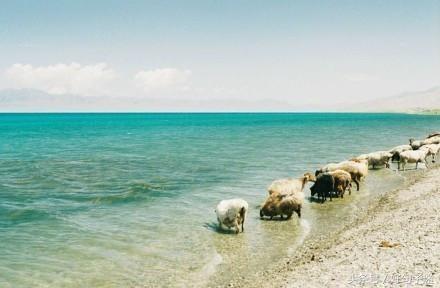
(27, 100)
(427, 101)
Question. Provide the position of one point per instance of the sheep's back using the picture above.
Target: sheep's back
(285, 186)
(229, 209)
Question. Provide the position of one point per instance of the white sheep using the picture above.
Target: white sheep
(289, 186)
(379, 158)
(433, 134)
(399, 149)
(433, 150)
(231, 213)
(416, 144)
(432, 140)
(413, 156)
(361, 157)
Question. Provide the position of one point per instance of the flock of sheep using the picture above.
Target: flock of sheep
(332, 180)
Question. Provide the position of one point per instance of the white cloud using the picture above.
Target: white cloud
(62, 78)
(163, 79)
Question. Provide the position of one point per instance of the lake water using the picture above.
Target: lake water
(127, 200)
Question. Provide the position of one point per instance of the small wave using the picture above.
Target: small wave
(135, 192)
(201, 278)
(22, 215)
(306, 227)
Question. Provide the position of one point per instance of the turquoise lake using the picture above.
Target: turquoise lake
(127, 200)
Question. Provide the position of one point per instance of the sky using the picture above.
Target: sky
(217, 55)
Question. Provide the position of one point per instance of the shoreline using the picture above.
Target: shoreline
(408, 217)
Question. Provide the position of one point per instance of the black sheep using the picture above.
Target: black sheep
(323, 186)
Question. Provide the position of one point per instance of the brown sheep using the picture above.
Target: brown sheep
(278, 204)
(357, 168)
(342, 182)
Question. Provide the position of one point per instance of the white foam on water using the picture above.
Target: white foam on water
(201, 277)
(305, 227)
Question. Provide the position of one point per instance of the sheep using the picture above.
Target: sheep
(278, 204)
(231, 213)
(290, 186)
(397, 150)
(416, 144)
(361, 157)
(357, 168)
(412, 156)
(433, 134)
(432, 140)
(378, 158)
(433, 150)
(324, 185)
(342, 182)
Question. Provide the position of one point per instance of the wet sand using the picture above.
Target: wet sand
(394, 242)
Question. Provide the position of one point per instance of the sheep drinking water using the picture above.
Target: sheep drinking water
(231, 214)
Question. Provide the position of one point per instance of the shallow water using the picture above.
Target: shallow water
(112, 200)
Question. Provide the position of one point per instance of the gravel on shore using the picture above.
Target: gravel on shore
(395, 243)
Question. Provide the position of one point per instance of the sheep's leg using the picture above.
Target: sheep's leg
(299, 211)
(236, 226)
(357, 184)
(282, 217)
(417, 164)
(242, 225)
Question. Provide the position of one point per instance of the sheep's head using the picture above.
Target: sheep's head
(414, 144)
(340, 188)
(317, 172)
(310, 177)
(264, 208)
